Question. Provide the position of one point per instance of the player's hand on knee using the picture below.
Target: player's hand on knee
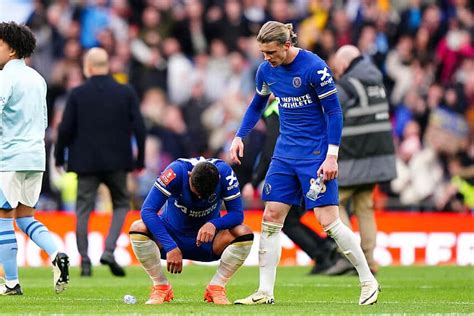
(205, 234)
(329, 168)
(174, 261)
(236, 150)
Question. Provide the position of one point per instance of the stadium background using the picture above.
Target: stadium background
(193, 63)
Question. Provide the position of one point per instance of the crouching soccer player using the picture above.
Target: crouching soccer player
(190, 226)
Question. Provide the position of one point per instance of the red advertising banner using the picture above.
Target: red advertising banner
(403, 238)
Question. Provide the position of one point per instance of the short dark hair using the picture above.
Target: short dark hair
(19, 38)
(204, 178)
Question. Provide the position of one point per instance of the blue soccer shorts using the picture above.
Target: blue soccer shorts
(186, 242)
(288, 181)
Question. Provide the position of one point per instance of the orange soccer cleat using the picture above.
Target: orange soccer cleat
(160, 294)
(216, 294)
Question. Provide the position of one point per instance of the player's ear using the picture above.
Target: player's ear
(189, 173)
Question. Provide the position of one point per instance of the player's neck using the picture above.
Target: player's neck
(290, 57)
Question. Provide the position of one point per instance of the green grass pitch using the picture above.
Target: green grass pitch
(405, 290)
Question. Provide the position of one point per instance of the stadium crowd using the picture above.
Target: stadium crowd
(193, 65)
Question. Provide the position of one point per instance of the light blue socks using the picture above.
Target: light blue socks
(39, 234)
(8, 251)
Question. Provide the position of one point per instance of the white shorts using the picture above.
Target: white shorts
(19, 187)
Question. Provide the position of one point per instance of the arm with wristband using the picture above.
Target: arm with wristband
(327, 94)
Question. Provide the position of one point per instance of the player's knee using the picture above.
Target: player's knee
(241, 230)
(327, 215)
(273, 216)
(138, 227)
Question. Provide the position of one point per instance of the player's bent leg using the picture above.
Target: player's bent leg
(40, 235)
(8, 254)
(347, 242)
(269, 253)
(148, 254)
(237, 243)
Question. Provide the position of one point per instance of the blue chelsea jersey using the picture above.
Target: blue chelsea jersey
(183, 210)
(298, 88)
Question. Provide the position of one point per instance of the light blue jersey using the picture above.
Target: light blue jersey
(23, 118)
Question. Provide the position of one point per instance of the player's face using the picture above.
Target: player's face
(5, 53)
(274, 52)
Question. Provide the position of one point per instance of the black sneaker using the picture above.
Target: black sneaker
(16, 290)
(86, 269)
(321, 267)
(61, 272)
(341, 267)
(109, 260)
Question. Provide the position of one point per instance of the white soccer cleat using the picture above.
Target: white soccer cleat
(256, 298)
(369, 292)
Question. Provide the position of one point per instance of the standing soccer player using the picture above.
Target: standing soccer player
(23, 120)
(310, 133)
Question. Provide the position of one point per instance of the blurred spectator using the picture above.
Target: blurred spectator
(179, 72)
(173, 134)
(399, 68)
(340, 23)
(232, 27)
(192, 112)
(94, 19)
(410, 19)
(452, 48)
(193, 31)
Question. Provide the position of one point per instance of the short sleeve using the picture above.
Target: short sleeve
(229, 183)
(261, 85)
(170, 180)
(322, 80)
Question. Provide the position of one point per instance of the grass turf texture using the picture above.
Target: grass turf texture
(446, 289)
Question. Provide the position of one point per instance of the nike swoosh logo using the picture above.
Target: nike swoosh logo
(269, 84)
(368, 298)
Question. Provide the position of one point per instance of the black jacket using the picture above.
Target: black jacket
(366, 153)
(99, 120)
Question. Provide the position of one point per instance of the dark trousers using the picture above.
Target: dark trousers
(317, 247)
(87, 187)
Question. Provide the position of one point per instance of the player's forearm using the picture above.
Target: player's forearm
(234, 216)
(152, 204)
(333, 110)
(252, 115)
(155, 225)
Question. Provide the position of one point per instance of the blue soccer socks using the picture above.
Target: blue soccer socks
(39, 234)
(8, 250)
